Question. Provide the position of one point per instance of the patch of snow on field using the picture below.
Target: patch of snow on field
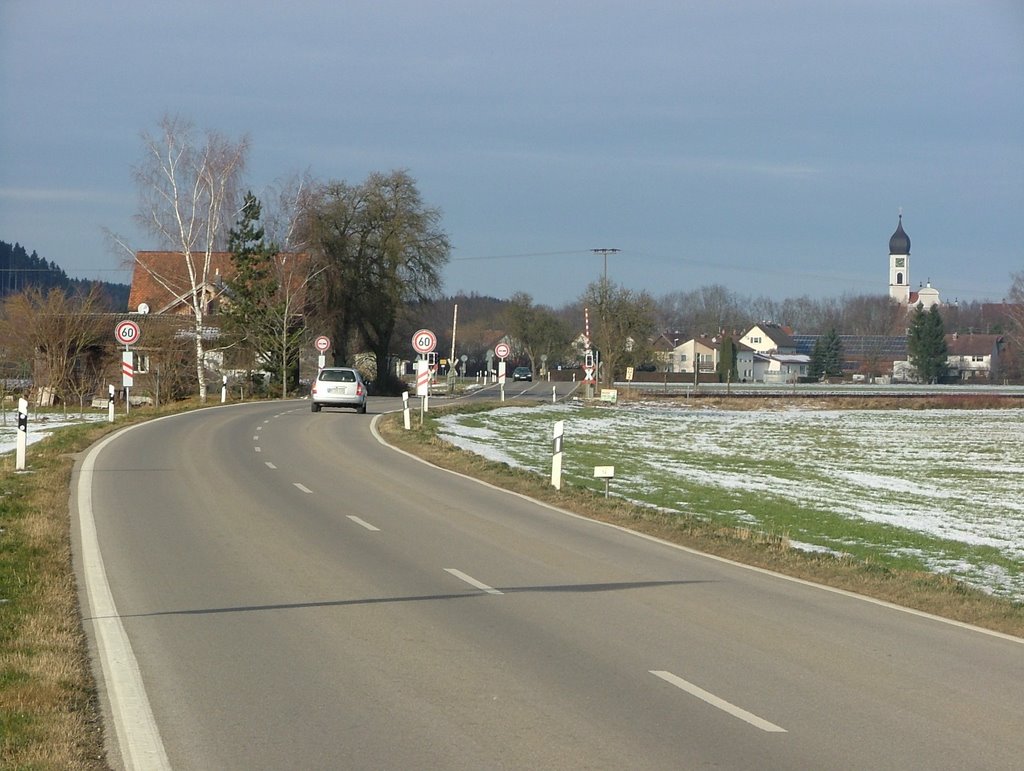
(40, 426)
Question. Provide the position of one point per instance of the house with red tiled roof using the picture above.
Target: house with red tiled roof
(161, 283)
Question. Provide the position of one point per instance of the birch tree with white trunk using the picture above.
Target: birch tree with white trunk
(189, 189)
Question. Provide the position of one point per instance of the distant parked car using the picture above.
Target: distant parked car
(338, 387)
(522, 373)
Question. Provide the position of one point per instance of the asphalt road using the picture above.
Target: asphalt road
(294, 594)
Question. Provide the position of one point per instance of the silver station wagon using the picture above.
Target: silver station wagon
(338, 387)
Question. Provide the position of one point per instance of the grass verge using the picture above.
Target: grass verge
(919, 589)
(49, 710)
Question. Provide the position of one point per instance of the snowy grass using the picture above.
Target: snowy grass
(933, 490)
(41, 425)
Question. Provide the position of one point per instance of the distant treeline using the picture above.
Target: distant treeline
(20, 270)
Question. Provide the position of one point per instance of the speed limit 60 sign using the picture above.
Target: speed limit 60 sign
(424, 341)
(127, 332)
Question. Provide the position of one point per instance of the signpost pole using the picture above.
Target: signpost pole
(127, 332)
(127, 378)
(423, 342)
(502, 351)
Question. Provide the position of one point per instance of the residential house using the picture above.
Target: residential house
(162, 288)
(698, 354)
(769, 338)
(770, 355)
(973, 357)
(661, 357)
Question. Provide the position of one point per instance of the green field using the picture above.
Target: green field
(934, 490)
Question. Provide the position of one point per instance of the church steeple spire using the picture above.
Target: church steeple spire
(899, 243)
(899, 264)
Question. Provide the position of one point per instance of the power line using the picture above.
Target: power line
(517, 256)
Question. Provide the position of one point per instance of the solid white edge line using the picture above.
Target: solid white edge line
(137, 734)
(364, 523)
(715, 701)
(472, 581)
(763, 571)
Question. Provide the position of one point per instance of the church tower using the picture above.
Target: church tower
(899, 265)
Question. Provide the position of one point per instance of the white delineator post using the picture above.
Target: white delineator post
(405, 411)
(224, 390)
(110, 403)
(556, 455)
(22, 442)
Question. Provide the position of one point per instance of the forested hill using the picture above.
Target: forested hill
(20, 270)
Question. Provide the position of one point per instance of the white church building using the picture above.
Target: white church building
(899, 274)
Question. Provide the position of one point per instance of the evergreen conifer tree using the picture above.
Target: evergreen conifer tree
(926, 344)
(253, 308)
(832, 354)
(727, 360)
(816, 369)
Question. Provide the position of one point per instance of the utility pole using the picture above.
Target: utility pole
(606, 252)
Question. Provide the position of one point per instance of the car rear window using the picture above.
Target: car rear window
(338, 375)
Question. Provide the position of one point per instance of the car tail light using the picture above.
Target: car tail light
(359, 389)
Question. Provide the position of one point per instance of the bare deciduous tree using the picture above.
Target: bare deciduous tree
(189, 187)
(63, 335)
(622, 322)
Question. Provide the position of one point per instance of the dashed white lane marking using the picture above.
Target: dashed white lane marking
(364, 523)
(302, 487)
(269, 464)
(715, 701)
(257, 449)
(472, 581)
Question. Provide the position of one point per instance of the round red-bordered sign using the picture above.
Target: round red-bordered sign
(424, 341)
(322, 344)
(501, 350)
(127, 332)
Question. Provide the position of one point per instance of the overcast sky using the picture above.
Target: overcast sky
(765, 146)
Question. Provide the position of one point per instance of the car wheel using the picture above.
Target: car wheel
(314, 407)
(362, 408)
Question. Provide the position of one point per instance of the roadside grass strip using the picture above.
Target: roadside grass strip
(938, 491)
